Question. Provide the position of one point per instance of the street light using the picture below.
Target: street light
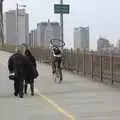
(1, 22)
(17, 27)
(61, 24)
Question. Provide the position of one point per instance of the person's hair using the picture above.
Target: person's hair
(27, 52)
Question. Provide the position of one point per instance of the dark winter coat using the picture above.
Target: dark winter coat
(21, 66)
(33, 62)
(30, 57)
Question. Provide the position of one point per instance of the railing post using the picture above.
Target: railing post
(71, 54)
(83, 63)
(111, 67)
(92, 64)
(67, 59)
(77, 61)
(101, 79)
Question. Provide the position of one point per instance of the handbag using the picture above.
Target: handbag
(35, 74)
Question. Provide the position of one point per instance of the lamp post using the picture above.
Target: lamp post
(61, 24)
(17, 23)
(1, 22)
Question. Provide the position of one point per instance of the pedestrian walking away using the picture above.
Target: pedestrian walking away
(30, 79)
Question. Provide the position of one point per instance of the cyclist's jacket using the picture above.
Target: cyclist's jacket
(56, 52)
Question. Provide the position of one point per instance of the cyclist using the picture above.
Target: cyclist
(56, 57)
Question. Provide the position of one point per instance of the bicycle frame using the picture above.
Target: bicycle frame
(58, 73)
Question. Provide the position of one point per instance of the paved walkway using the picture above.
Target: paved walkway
(75, 99)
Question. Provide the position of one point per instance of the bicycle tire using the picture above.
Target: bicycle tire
(58, 76)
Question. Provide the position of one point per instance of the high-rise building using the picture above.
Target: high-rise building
(10, 32)
(118, 44)
(30, 40)
(81, 38)
(103, 43)
(46, 31)
(41, 33)
(10, 27)
(33, 38)
(48, 34)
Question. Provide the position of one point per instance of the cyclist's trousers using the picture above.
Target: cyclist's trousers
(56, 59)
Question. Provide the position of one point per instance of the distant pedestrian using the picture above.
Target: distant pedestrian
(29, 79)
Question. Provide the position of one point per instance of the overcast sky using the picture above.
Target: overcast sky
(102, 16)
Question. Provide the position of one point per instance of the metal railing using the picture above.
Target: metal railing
(102, 67)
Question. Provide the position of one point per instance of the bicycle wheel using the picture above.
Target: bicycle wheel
(58, 76)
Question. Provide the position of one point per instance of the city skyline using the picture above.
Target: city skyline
(101, 16)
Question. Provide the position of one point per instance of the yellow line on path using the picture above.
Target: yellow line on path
(55, 105)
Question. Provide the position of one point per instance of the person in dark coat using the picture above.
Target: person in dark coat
(28, 79)
(19, 65)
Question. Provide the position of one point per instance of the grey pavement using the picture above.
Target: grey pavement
(76, 96)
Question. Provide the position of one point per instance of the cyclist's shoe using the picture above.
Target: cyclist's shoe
(60, 80)
(32, 94)
(53, 72)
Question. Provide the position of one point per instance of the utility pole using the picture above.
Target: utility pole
(61, 24)
(17, 37)
(1, 23)
(17, 23)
